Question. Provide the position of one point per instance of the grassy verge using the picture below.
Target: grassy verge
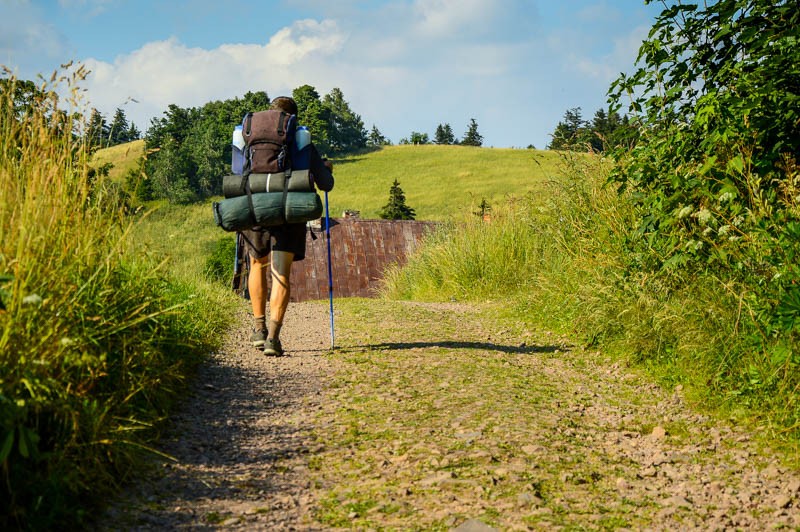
(96, 339)
(564, 261)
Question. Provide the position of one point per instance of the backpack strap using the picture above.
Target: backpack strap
(246, 183)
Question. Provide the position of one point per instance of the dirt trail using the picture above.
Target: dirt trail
(429, 426)
(242, 439)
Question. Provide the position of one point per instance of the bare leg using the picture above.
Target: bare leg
(257, 284)
(279, 298)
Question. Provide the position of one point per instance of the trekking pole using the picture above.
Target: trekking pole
(330, 270)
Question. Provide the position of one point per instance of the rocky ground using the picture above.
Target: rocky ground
(434, 417)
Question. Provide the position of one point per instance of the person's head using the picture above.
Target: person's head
(285, 104)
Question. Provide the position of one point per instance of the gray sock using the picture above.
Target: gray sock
(260, 323)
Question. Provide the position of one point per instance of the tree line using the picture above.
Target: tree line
(190, 148)
(607, 130)
(444, 136)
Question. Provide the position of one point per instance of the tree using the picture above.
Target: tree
(397, 209)
(133, 132)
(472, 137)
(376, 138)
(444, 134)
(346, 131)
(119, 128)
(314, 115)
(571, 133)
(97, 130)
(418, 138)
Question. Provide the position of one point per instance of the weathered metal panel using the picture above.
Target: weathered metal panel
(360, 249)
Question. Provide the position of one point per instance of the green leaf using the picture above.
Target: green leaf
(8, 444)
(737, 164)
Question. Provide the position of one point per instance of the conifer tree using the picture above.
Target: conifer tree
(397, 209)
(444, 134)
(472, 137)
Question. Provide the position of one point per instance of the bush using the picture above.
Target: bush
(219, 262)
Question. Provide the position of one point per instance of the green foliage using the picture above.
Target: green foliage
(346, 131)
(396, 208)
(219, 262)
(375, 139)
(96, 341)
(715, 174)
(607, 130)
(444, 135)
(472, 137)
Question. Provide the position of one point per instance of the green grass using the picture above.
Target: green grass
(440, 182)
(123, 157)
(97, 336)
(560, 260)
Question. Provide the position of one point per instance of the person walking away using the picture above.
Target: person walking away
(275, 249)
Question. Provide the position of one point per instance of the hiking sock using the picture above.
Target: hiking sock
(260, 323)
(274, 329)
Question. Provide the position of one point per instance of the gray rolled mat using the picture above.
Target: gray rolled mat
(234, 186)
(233, 214)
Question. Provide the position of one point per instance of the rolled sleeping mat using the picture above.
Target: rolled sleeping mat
(233, 214)
(234, 186)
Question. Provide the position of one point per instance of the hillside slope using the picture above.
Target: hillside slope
(439, 182)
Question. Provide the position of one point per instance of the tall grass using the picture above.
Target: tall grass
(565, 262)
(95, 340)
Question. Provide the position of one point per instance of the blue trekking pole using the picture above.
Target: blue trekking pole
(330, 270)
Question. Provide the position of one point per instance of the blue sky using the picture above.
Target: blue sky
(404, 65)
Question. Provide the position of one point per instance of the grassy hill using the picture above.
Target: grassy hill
(124, 157)
(439, 182)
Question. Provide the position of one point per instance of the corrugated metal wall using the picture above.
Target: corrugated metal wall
(360, 252)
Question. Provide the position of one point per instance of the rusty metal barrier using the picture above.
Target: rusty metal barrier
(360, 250)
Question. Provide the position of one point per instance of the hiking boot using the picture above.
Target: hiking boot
(273, 348)
(258, 338)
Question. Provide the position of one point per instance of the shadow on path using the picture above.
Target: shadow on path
(521, 349)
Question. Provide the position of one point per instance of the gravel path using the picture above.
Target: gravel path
(242, 439)
(452, 422)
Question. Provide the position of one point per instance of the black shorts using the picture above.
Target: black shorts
(289, 237)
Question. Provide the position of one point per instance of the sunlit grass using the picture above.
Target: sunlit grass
(97, 336)
(440, 182)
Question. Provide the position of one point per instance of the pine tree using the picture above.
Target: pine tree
(472, 137)
(376, 138)
(345, 128)
(397, 209)
(444, 134)
(118, 130)
(96, 130)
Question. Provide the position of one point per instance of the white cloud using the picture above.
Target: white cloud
(444, 18)
(168, 72)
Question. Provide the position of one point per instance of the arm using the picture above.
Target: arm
(321, 170)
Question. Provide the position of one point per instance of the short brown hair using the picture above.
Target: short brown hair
(284, 103)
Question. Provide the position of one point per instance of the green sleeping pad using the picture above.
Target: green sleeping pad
(233, 214)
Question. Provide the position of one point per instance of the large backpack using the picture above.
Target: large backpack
(267, 135)
(272, 185)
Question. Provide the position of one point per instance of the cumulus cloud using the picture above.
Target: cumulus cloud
(168, 72)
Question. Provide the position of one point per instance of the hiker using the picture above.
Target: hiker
(286, 243)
